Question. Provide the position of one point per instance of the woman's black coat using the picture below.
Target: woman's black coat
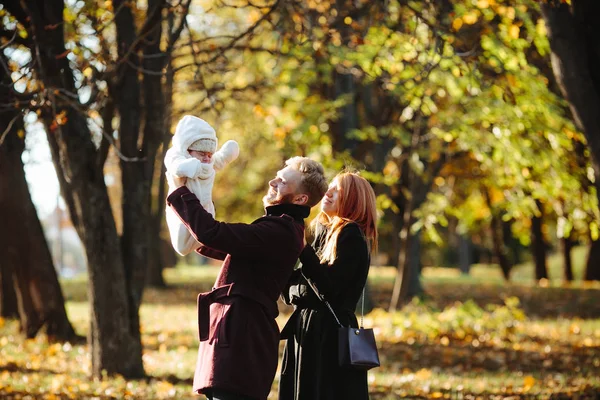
(310, 368)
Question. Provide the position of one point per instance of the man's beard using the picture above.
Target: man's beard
(285, 199)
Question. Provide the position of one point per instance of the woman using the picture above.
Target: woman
(337, 264)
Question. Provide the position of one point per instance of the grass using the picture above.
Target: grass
(472, 336)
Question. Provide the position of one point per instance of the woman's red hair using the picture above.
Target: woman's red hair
(356, 203)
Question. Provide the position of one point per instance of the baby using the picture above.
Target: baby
(194, 156)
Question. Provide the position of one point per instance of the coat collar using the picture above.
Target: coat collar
(293, 210)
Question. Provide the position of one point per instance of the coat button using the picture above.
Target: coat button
(356, 332)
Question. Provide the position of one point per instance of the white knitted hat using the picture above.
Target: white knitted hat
(206, 144)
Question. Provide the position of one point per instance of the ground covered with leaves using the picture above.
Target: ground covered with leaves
(470, 337)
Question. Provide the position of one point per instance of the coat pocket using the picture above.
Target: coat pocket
(220, 315)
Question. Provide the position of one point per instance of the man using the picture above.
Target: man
(239, 337)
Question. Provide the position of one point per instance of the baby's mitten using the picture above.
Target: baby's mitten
(187, 168)
(226, 154)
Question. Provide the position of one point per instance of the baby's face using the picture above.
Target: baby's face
(204, 156)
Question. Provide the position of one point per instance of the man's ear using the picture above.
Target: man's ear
(301, 199)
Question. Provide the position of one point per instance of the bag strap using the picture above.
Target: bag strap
(322, 298)
(362, 309)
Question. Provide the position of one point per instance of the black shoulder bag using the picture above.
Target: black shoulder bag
(356, 346)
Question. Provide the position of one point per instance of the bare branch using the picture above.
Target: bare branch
(176, 32)
(8, 128)
(10, 41)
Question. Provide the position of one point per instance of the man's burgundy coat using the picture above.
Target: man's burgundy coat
(239, 336)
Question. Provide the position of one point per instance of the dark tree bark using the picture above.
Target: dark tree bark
(414, 287)
(538, 244)
(25, 256)
(114, 348)
(592, 272)
(8, 296)
(576, 64)
(497, 242)
(404, 272)
(162, 256)
(134, 174)
(567, 246)
(465, 254)
(512, 244)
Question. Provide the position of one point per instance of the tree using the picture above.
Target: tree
(29, 279)
(576, 62)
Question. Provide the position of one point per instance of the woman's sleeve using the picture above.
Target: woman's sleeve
(352, 254)
(294, 280)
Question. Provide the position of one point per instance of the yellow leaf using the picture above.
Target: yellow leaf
(423, 374)
(514, 31)
(594, 230)
(483, 4)
(279, 133)
(437, 395)
(259, 110)
(574, 329)
(510, 13)
(470, 18)
(87, 72)
(528, 382)
(541, 28)
(457, 23)
(164, 388)
(254, 16)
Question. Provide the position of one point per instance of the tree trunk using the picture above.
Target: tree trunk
(25, 255)
(538, 245)
(574, 39)
(512, 244)
(8, 296)
(412, 287)
(497, 242)
(134, 173)
(592, 272)
(465, 256)
(404, 272)
(114, 348)
(159, 254)
(567, 246)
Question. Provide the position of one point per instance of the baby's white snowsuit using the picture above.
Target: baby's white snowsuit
(196, 133)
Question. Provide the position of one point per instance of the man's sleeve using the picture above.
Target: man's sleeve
(247, 239)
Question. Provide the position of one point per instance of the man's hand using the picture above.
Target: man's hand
(179, 182)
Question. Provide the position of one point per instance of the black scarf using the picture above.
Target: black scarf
(295, 211)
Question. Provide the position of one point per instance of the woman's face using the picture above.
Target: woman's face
(331, 201)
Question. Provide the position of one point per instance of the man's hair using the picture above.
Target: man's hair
(313, 182)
